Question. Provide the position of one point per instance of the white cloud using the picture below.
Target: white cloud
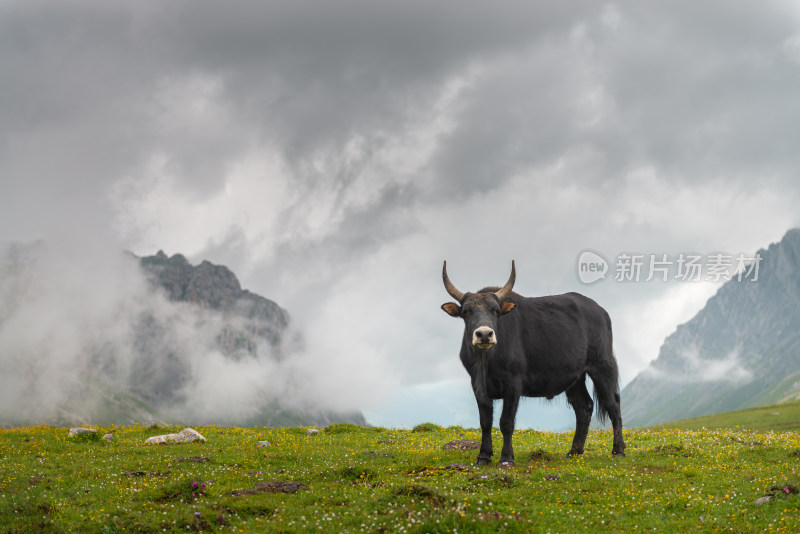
(697, 368)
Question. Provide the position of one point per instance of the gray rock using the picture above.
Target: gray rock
(763, 500)
(312, 431)
(78, 431)
(263, 444)
(108, 437)
(187, 435)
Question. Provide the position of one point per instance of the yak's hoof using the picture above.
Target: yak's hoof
(618, 454)
(482, 461)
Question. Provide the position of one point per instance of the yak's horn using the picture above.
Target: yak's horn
(448, 285)
(505, 291)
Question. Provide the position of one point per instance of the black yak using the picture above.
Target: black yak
(516, 346)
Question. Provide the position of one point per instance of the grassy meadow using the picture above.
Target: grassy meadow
(783, 417)
(354, 479)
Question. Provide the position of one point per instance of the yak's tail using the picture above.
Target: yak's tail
(606, 389)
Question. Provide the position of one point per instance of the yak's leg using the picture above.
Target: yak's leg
(605, 386)
(486, 413)
(615, 413)
(609, 401)
(507, 418)
(580, 400)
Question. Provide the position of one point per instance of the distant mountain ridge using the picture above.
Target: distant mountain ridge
(741, 350)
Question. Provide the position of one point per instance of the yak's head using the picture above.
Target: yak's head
(480, 311)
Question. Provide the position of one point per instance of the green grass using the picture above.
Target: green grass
(783, 417)
(377, 480)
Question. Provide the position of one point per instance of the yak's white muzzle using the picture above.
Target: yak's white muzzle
(484, 338)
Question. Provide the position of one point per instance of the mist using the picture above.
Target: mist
(694, 368)
(78, 325)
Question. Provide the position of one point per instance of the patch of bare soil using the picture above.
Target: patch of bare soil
(462, 445)
(278, 486)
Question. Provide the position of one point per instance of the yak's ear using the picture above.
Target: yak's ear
(506, 307)
(452, 309)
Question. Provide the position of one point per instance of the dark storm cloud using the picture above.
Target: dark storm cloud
(325, 70)
(679, 80)
(696, 92)
(705, 90)
(96, 90)
(93, 90)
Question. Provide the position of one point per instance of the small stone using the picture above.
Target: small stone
(108, 437)
(78, 431)
(187, 435)
(263, 444)
(763, 500)
(159, 439)
(312, 431)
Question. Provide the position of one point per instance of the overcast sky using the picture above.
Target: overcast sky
(332, 154)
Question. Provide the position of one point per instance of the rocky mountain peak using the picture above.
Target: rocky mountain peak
(216, 287)
(741, 350)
